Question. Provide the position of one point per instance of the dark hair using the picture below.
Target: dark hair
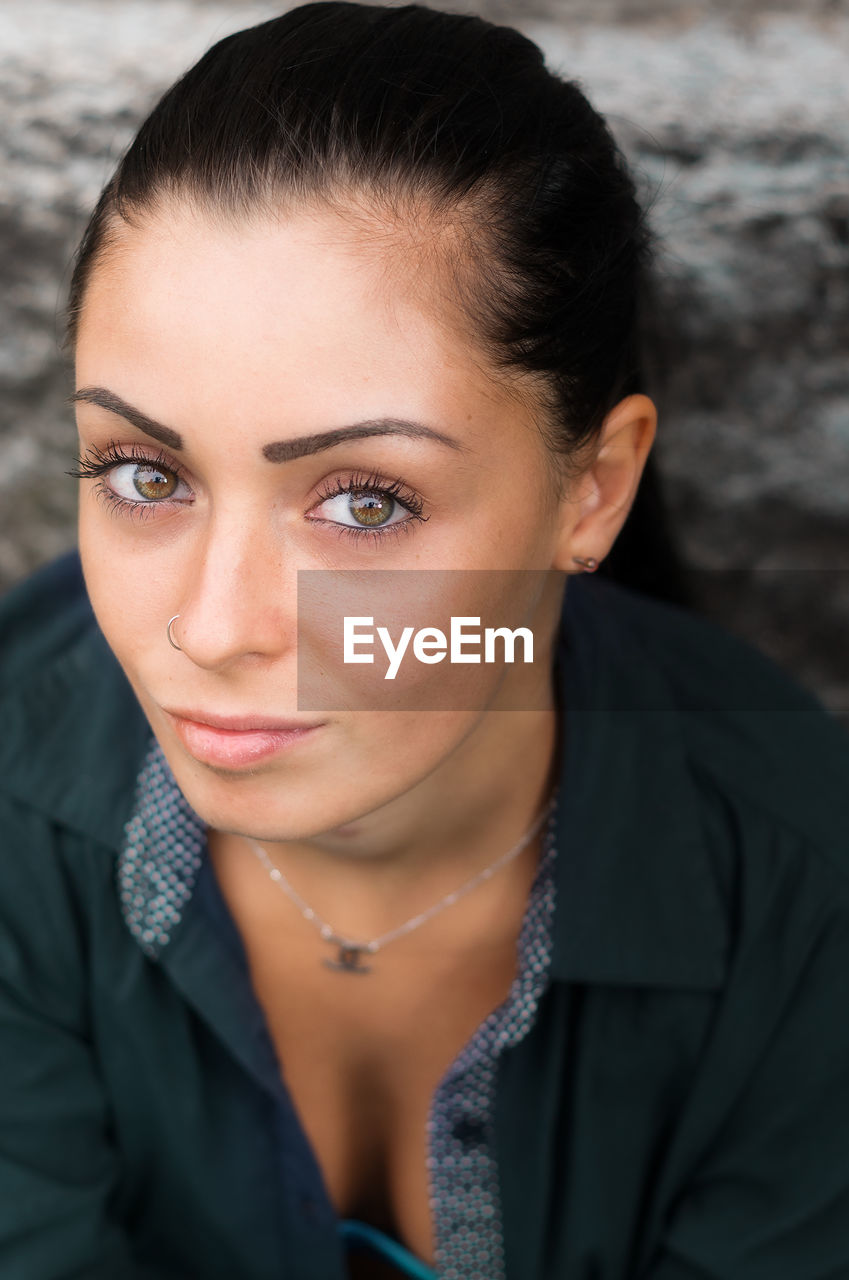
(451, 112)
(411, 111)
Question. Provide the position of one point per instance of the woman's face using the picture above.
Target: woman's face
(282, 396)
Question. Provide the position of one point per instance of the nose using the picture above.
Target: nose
(238, 599)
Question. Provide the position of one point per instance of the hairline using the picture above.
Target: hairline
(381, 211)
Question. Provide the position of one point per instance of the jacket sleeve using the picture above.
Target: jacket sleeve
(770, 1199)
(58, 1165)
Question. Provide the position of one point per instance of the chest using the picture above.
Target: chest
(362, 1056)
(362, 1064)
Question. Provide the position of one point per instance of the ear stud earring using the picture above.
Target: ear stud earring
(589, 563)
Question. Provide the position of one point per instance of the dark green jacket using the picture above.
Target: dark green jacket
(680, 1108)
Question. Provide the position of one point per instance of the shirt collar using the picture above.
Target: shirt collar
(637, 901)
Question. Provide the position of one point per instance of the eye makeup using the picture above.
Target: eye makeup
(369, 493)
(98, 463)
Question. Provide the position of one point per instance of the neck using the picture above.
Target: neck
(371, 874)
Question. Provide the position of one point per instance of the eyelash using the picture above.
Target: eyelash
(371, 482)
(98, 462)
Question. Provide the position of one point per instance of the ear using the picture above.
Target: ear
(595, 506)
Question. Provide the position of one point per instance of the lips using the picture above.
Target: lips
(235, 742)
(243, 724)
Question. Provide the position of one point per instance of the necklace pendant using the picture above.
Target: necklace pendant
(348, 960)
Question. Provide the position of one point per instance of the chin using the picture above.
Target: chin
(256, 807)
(330, 778)
(274, 804)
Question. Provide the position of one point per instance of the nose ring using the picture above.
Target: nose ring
(171, 639)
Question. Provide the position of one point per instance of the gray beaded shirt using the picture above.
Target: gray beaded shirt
(159, 869)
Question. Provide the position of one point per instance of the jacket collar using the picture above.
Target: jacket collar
(637, 899)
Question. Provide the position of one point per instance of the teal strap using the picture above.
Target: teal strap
(355, 1232)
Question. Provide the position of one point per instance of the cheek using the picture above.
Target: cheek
(517, 522)
(128, 590)
(381, 640)
(398, 749)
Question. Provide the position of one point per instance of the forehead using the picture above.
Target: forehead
(306, 309)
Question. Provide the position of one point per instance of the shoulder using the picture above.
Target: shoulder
(73, 731)
(73, 737)
(40, 618)
(706, 797)
(748, 730)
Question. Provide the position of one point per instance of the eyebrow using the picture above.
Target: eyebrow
(278, 451)
(108, 400)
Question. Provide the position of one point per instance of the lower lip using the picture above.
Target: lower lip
(235, 748)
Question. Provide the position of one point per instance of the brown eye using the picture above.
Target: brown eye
(152, 483)
(364, 505)
(371, 508)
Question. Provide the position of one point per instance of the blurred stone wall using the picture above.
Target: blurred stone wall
(736, 119)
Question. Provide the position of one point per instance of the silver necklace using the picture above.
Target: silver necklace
(349, 959)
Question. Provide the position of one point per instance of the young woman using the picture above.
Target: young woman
(512, 970)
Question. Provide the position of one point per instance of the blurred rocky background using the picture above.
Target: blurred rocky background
(736, 119)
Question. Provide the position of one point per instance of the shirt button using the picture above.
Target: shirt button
(468, 1130)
